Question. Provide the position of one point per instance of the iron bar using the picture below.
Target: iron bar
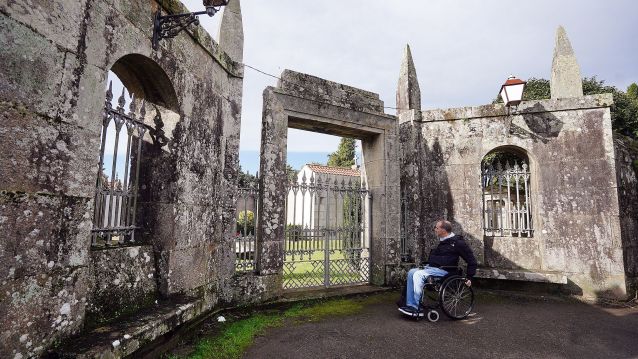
(509, 198)
(506, 213)
(113, 198)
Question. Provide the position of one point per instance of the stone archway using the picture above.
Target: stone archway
(309, 103)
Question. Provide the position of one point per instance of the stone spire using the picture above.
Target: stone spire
(231, 31)
(566, 80)
(408, 92)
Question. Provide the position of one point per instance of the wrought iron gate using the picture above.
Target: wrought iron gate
(327, 232)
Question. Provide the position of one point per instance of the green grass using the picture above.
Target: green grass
(307, 273)
(316, 312)
(236, 337)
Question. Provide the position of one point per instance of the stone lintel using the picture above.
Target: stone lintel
(329, 92)
(521, 275)
(526, 107)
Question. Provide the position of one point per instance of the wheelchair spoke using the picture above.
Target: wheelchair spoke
(456, 298)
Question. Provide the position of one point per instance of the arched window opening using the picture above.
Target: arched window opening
(506, 193)
(131, 122)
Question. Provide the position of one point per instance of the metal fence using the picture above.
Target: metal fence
(245, 240)
(114, 216)
(406, 220)
(507, 200)
(327, 233)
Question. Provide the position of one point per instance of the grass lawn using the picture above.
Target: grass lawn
(310, 271)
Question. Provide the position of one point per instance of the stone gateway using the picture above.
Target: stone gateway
(152, 246)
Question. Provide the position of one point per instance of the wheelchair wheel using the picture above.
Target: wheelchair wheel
(456, 299)
(433, 316)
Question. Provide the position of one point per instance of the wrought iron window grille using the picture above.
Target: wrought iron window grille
(507, 200)
(245, 240)
(114, 216)
(406, 220)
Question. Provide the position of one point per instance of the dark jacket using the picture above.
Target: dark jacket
(447, 253)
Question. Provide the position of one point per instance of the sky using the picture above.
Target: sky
(463, 50)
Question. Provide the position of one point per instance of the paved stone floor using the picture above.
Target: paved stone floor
(501, 327)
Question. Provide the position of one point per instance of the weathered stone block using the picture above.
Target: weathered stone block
(82, 95)
(562, 201)
(271, 257)
(513, 253)
(315, 88)
(44, 156)
(30, 69)
(59, 20)
(44, 234)
(122, 281)
(38, 310)
(186, 269)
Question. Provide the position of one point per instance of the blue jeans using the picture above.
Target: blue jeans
(416, 280)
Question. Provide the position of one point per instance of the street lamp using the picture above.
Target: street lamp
(168, 26)
(512, 91)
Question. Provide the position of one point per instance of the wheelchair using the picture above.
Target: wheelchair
(449, 294)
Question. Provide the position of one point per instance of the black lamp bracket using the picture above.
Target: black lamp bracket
(168, 26)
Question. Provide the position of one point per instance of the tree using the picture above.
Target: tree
(624, 111)
(246, 180)
(535, 89)
(246, 223)
(344, 155)
(292, 173)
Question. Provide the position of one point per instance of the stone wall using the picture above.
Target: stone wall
(123, 281)
(574, 198)
(54, 61)
(627, 177)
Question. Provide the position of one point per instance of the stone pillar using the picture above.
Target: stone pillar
(410, 141)
(231, 31)
(381, 162)
(272, 186)
(409, 111)
(566, 80)
(408, 91)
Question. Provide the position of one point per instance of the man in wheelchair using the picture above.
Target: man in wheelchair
(443, 260)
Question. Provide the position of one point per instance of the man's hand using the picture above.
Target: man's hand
(468, 283)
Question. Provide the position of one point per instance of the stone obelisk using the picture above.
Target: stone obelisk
(408, 92)
(566, 80)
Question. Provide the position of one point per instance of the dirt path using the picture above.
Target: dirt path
(499, 328)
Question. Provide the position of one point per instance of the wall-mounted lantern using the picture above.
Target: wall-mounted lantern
(168, 26)
(512, 91)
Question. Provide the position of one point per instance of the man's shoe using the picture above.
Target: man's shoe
(411, 311)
